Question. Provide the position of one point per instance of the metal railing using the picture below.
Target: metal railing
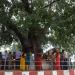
(34, 65)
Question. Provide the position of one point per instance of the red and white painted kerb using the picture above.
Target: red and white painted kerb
(55, 72)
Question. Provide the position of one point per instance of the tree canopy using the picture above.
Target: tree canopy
(38, 22)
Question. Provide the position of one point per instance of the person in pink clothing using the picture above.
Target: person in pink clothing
(57, 59)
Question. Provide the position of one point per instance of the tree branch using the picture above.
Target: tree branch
(49, 5)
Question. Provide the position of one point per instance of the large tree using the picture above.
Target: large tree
(35, 22)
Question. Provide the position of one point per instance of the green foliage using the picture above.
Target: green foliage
(60, 18)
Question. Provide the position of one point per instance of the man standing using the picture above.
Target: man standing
(18, 55)
(4, 58)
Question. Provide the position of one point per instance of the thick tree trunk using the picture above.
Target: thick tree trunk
(33, 41)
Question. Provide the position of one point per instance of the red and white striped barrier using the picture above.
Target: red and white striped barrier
(58, 72)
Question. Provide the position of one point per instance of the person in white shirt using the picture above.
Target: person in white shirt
(32, 62)
(17, 57)
(4, 58)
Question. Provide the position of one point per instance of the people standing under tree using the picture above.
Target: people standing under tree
(0, 60)
(10, 57)
(18, 55)
(27, 58)
(45, 65)
(23, 61)
(32, 62)
(53, 52)
(57, 60)
(38, 61)
(50, 60)
(64, 60)
(14, 60)
(4, 60)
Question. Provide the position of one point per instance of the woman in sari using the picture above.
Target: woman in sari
(57, 59)
(22, 61)
(38, 61)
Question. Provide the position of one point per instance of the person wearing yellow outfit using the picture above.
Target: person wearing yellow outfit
(22, 61)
